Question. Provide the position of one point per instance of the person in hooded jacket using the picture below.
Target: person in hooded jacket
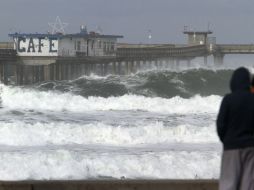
(235, 128)
(252, 85)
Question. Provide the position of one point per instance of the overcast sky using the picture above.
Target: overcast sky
(231, 20)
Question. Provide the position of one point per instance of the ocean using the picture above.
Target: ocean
(154, 124)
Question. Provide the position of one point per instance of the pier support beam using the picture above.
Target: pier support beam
(126, 68)
(218, 58)
(132, 67)
(205, 60)
(188, 63)
(161, 64)
(2, 72)
(119, 67)
(138, 64)
(171, 63)
(177, 64)
(114, 68)
(156, 63)
(46, 73)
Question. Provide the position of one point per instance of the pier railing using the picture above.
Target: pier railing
(7, 54)
(143, 53)
(6, 45)
(235, 48)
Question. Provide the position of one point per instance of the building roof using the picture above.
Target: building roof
(36, 35)
(197, 32)
(78, 35)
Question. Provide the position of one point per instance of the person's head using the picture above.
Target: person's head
(240, 80)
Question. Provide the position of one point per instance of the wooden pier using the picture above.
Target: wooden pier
(221, 50)
(165, 51)
(128, 58)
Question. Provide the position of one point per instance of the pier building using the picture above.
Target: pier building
(197, 37)
(82, 44)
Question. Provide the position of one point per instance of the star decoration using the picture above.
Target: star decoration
(58, 26)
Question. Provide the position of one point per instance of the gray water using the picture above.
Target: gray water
(154, 124)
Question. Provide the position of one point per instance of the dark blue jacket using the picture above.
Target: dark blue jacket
(235, 122)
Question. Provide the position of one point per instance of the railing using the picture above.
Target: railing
(7, 54)
(235, 49)
(7, 51)
(6, 45)
(162, 52)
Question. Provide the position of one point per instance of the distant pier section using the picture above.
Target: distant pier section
(32, 58)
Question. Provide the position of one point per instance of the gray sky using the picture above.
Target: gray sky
(231, 20)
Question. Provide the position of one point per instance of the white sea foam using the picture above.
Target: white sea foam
(40, 134)
(93, 76)
(64, 164)
(26, 146)
(19, 98)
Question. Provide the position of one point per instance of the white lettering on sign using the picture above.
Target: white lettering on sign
(40, 46)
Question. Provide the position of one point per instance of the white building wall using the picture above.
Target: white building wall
(30, 46)
(66, 46)
(72, 46)
(78, 46)
(102, 47)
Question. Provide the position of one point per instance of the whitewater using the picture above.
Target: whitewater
(149, 125)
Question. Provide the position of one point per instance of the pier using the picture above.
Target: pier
(164, 51)
(120, 58)
(224, 49)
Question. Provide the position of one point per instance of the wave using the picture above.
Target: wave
(20, 98)
(59, 133)
(161, 83)
(69, 165)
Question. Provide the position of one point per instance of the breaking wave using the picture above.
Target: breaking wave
(20, 98)
(60, 133)
(166, 84)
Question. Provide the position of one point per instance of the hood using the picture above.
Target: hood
(240, 80)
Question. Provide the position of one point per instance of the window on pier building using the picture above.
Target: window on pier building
(108, 44)
(99, 41)
(104, 46)
(112, 46)
(92, 44)
(78, 45)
